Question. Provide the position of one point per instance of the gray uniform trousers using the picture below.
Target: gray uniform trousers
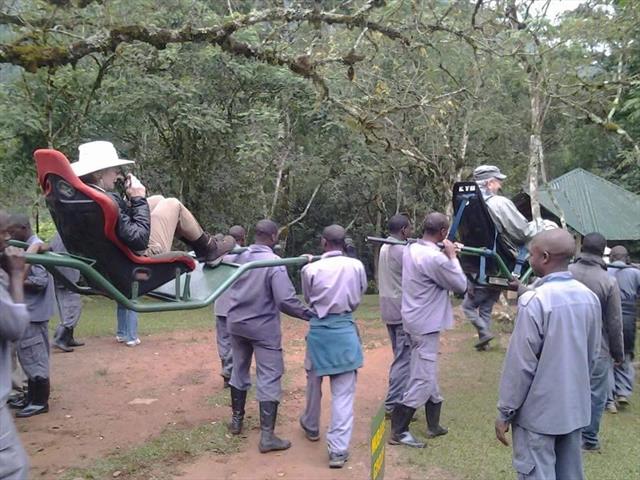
(14, 464)
(622, 378)
(18, 377)
(599, 392)
(477, 306)
(343, 393)
(269, 366)
(423, 371)
(399, 369)
(223, 341)
(33, 350)
(69, 307)
(547, 457)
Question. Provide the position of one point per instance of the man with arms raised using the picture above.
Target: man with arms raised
(390, 288)
(428, 274)
(544, 389)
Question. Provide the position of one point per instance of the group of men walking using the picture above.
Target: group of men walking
(250, 310)
(571, 350)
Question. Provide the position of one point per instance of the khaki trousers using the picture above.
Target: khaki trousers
(169, 218)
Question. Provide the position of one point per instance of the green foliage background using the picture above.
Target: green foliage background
(218, 130)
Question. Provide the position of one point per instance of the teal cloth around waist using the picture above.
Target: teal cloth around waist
(333, 344)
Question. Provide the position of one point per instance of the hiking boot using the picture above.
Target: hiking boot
(590, 448)
(61, 339)
(432, 411)
(337, 460)
(312, 435)
(210, 251)
(238, 400)
(611, 408)
(622, 400)
(400, 434)
(269, 442)
(483, 343)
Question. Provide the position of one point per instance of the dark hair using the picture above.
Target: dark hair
(594, 243)
(434, 222)
(398, 222)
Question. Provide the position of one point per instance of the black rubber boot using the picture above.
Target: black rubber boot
(39, 399)
(20, 403)
(268, 440)
(400, 434)
(238, 400)
(61, 339)
(72, 342)
(432, 412)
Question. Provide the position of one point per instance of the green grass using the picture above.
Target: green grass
(99, 319)
(469, 382)
(158, 457)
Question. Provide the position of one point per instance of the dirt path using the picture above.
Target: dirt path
(178, 376)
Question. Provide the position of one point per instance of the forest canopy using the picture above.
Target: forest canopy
(314, 112)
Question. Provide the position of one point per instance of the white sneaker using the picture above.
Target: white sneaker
(120, 339)
(134, 343)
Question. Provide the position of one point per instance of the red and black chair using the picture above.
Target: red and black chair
(86, 220)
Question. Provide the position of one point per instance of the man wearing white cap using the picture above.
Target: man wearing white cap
(146, 225)
(511, 224)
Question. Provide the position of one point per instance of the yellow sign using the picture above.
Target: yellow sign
(377, 444)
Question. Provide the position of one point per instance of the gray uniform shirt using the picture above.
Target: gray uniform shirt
(334, 284)
(390, 282)
(39, 294)
(427, 276)
(258, 297)
(591, 270)
(545, 384)
(14, 319)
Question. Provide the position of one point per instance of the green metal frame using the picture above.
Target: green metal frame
(479, 252)
(218, 279)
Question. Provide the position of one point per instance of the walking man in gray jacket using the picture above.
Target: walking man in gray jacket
(591, 270)
(544, 389)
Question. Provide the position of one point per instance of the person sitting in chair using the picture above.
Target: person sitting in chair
(145, 225)
(511, 224)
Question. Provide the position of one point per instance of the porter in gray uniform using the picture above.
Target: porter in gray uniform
(428, 275)
(333, 288)
(223, 339)
(69, 303)
(390, 294)
(621, 377)
(544, 389)
(253, 320)
(14, 319)
(590, 269)
(33, 348)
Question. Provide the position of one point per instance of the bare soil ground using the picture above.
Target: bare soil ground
(173, 381)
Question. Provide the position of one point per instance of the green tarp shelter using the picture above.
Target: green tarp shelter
(590, 204)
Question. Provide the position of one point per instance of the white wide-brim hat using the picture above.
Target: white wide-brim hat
(96, 156)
